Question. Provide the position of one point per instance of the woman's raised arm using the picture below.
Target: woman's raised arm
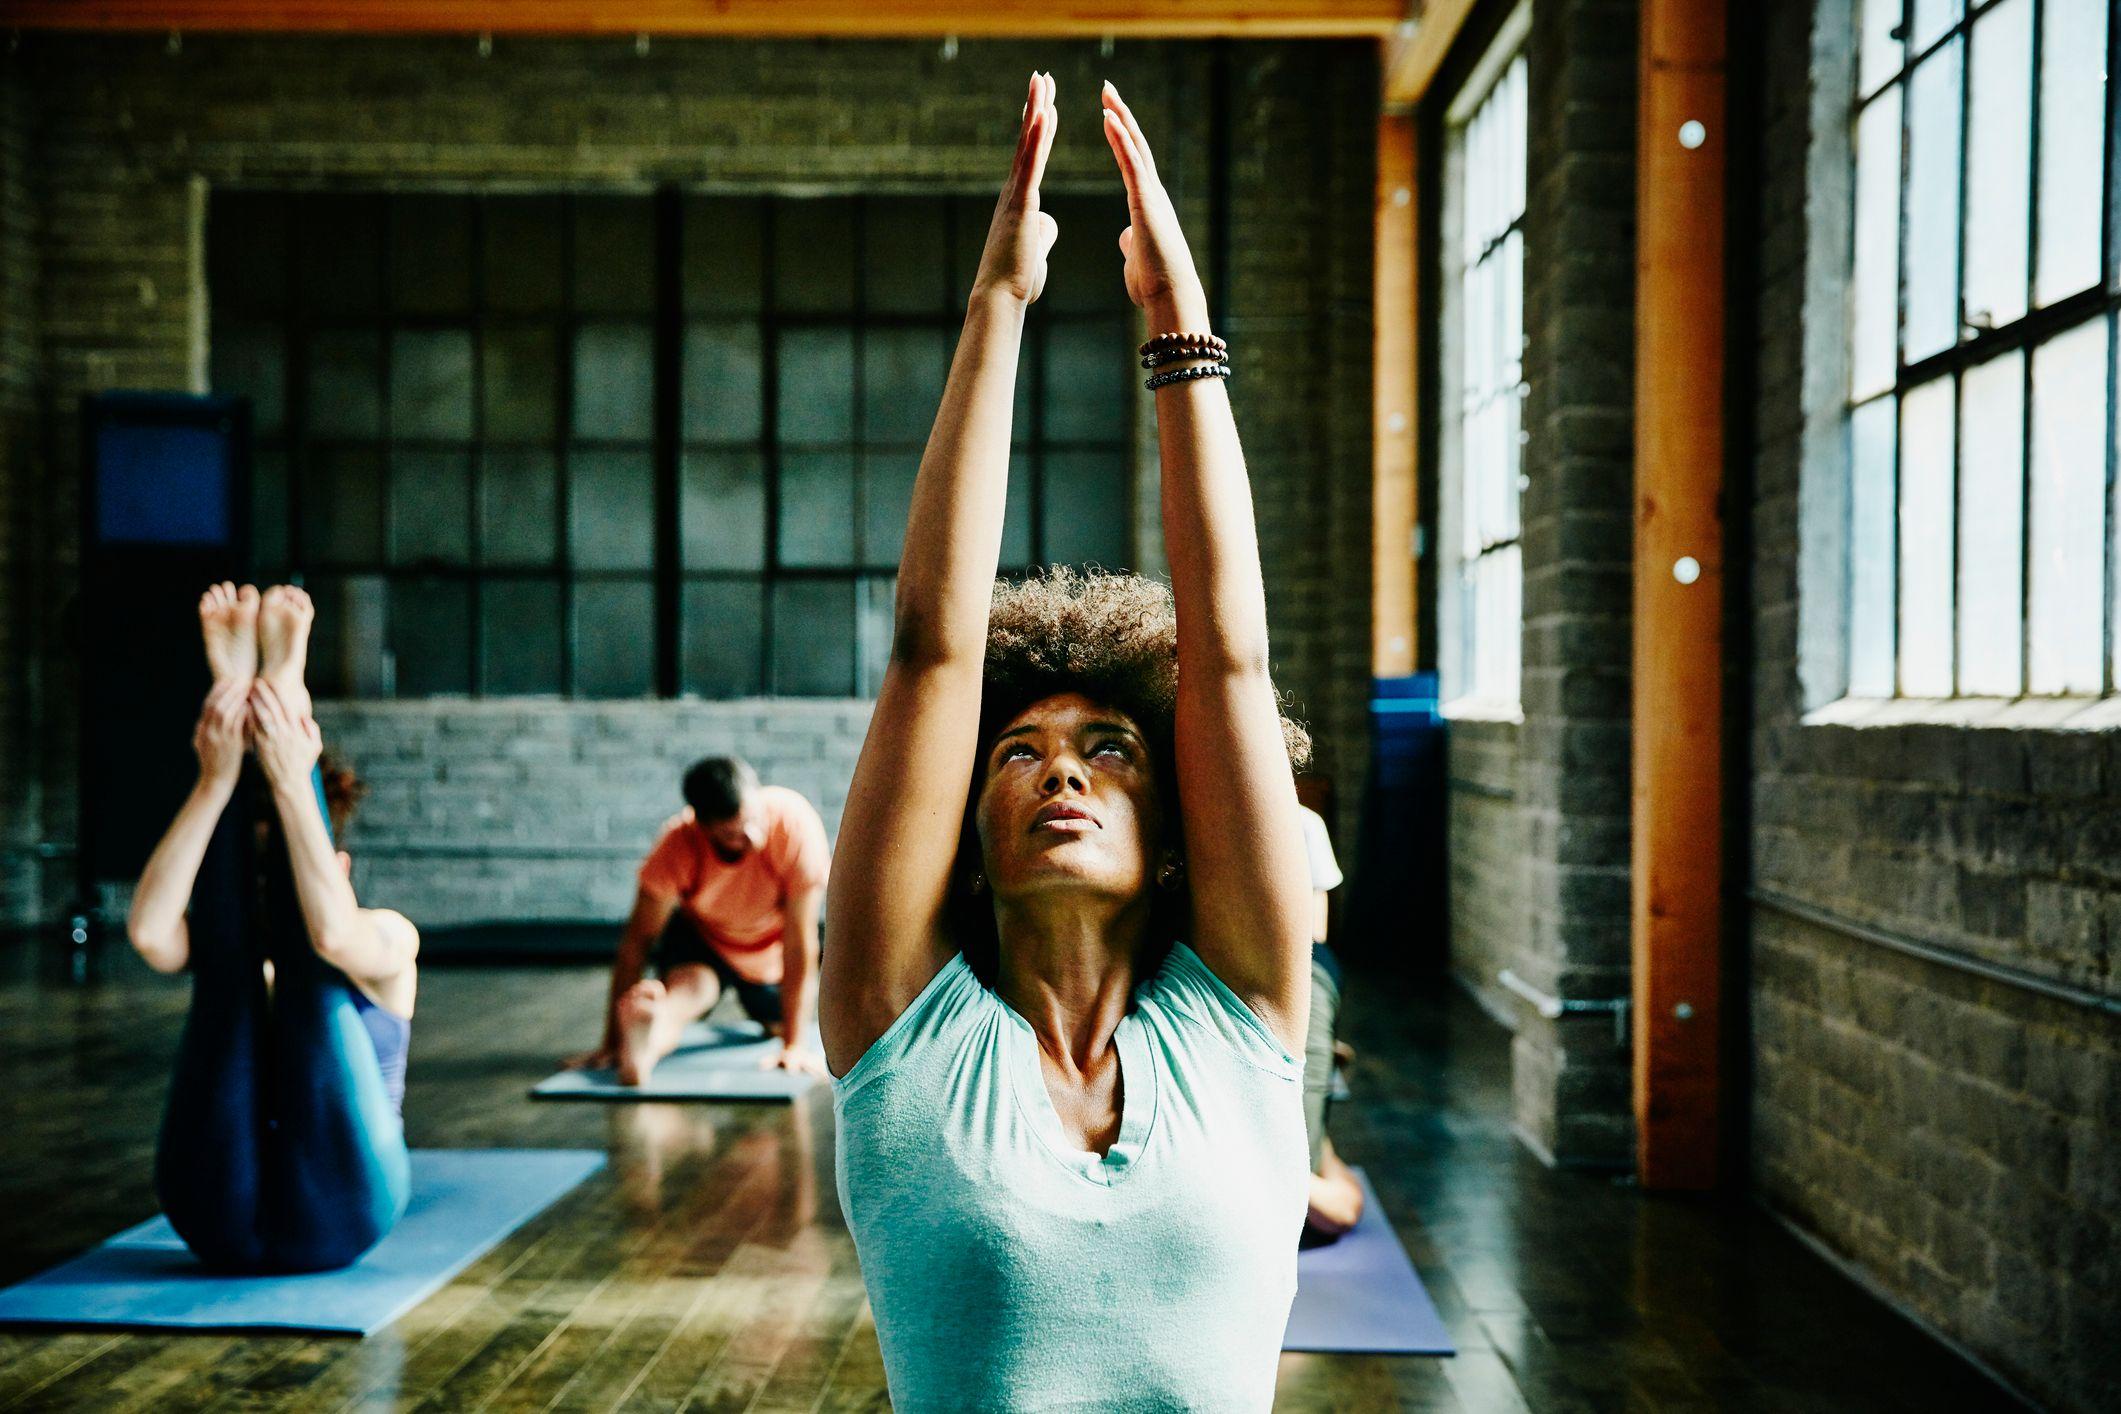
(898, 835)
(1244, 838)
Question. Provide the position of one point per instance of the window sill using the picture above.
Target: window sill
(2005, 713)
(1483, 709)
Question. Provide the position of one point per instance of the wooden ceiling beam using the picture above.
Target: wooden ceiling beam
(849, 19)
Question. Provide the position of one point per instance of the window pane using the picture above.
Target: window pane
(430, 254)
(2072, 142)
(345, 384)
(813, 254)
(430, 384)
(874, 618)
(430, 507)
(905, 260)
(1017, 551)
(1926, 540)
(340, 254)
(1087, 506)
(972, 216)
(813, 638)
(1999, 165)
(2068, 495)
(724, 397)
(1083, 268)
(1929, 19)
(251, 362)
(1871, 432)
(722, 265)
(614, 638)
(342, 506)
(519, 507)
(611, 510)
(430, 636)
(902, 382)
(817, 508)
(721, 647)
(722, 511)
(1992, 528)
(1880, 52)
(1088, 363)
(347, 656)
(521, 265)
(817, 385)
(614, 382)
(1875, 279)
(246, 252)
(1933, 206)
(522, 373)
(614, 255)
(520, 637)
(268, 511)
(887, 498)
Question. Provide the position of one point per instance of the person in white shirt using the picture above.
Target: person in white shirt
(1336, 1196)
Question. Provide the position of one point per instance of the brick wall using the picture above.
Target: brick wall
(1949, 1135)
(128, 135)
(1539, 811)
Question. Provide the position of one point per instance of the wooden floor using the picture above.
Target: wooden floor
(707, 1268)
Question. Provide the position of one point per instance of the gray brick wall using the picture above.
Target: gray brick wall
(1949, 1135)
(126, 137)
(1539, 812)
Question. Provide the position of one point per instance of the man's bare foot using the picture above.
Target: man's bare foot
(284, 617)
(228, 621)
(640, 1010)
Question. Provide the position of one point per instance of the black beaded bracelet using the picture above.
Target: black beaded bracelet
(1162, 356)
(1183, 375)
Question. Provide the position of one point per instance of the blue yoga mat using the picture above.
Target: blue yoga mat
(711, 1062)
(463, 1202)
(1362, 1296)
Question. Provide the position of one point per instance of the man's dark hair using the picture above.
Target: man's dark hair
(716, 786)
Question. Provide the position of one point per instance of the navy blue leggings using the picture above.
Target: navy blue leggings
(280, 1150)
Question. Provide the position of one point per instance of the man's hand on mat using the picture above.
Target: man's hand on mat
(1014, 260)
(218, 738)
(287, 746)
(602, 1058)
(800, 1059)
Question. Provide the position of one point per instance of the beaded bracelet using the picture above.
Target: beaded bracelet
(1182, 375)
(1162, 356)
(1166, 342)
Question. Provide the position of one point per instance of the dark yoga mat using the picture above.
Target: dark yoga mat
(711, 1063)
(463, 1202)
(1362, 1296)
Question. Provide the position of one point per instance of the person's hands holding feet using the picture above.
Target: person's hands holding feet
(228, 623)
(218, 738)
(1013, 263)
(287, 745)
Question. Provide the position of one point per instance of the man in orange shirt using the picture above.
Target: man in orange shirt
(729, 896)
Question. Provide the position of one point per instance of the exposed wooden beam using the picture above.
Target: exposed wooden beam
(867, 19)
(1677, 879)
(1415, 51)
(1394, 617)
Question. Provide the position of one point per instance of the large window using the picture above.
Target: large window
(622, 445)
(1481, 475)
(1981, 339)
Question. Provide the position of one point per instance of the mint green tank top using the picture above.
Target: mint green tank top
(1008, 1270)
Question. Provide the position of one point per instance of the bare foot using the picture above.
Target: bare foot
(639, 1010)
(284, 617)
(228, 621)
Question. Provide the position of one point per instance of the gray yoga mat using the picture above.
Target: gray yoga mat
(1361, 1295)
(712, 1062)
(463, 1202)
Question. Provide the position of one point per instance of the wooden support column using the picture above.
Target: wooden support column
(1678, 652)
(1394, 507)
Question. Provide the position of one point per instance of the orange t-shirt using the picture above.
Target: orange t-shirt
(737, 907)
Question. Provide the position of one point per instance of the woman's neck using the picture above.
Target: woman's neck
(1070, 972)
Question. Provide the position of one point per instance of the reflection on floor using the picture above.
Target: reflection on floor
(707, 1267)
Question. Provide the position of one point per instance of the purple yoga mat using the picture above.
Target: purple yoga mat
(1361, 1295)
